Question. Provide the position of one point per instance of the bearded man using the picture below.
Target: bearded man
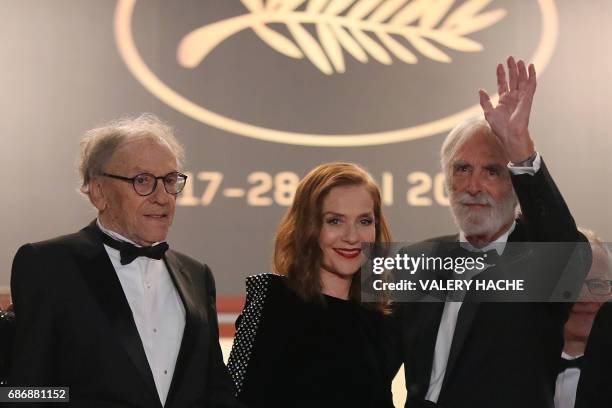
(486, 354)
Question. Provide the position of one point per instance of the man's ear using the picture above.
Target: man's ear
(96, 194)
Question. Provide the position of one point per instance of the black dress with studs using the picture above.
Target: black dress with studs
(292, 353)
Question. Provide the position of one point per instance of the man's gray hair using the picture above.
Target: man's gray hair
(596, 241)
(99, 144)
(458, 136)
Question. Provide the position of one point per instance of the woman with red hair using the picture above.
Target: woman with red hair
(304, 338)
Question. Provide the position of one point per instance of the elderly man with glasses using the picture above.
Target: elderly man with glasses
(595, 385)
(110, 311)
(596, 290)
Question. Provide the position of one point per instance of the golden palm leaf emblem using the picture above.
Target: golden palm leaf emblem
(326, 33)
(376, 29)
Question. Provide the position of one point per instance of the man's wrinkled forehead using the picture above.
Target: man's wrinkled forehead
(480, 148)
(140, 155)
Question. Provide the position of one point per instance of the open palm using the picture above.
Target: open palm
(510, 118)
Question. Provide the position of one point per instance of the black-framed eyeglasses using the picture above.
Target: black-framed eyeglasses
(146, 183)
(599, 287)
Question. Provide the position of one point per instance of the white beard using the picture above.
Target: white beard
(485, 221)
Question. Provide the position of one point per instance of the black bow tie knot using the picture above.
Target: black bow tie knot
(455, 251)
(573, 363)
(490, 257)
(129, 252)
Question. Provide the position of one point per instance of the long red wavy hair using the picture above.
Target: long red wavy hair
(297, 253)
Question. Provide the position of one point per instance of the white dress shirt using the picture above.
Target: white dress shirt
(567, 383)
(448, 321)
(157, 309)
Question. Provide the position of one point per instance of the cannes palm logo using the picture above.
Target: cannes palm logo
(333, 37)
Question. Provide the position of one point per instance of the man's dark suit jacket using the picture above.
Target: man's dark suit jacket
(502, 354)
(75, 328)
(7, 333)
(595, 384)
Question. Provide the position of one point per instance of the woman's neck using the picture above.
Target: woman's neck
(333, 284)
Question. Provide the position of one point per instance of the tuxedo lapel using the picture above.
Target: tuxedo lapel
(185, 287)
(101, 278)
(430, 316)
(468, 311)
(430, 319)
(466, 316)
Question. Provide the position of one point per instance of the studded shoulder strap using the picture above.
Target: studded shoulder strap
(257, 288)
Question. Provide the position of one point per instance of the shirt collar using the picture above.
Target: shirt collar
(568, 357)
(499, 244)
(114, 234)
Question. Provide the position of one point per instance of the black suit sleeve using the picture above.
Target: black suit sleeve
(7, 334)
(259, 360)
(34, 311)
(545, 215)
(221, 388)
(546, 218)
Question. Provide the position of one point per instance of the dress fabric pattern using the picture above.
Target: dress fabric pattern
(257, 288)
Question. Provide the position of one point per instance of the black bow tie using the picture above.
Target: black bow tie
(491, 257)
(454, 250)
(129, 252)
(565, 364)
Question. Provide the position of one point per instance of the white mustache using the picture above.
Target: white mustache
(480, 199)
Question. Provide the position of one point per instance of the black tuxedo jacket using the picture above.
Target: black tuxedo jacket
(7, 333)
(595, 384)
(75, 328)
(502, 354)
